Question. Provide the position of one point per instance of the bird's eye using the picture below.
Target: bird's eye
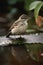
(22, 17)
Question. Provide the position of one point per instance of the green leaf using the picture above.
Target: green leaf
(33, 5)
(27, 3)
(37, 9)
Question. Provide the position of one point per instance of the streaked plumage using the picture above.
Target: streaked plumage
(19, 26)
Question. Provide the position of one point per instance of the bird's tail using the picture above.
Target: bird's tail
(8, 34)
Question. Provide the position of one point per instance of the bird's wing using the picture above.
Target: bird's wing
(14, 24)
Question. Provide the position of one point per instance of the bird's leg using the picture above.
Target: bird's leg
(20, 36)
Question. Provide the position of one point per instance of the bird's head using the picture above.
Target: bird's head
(24, 17)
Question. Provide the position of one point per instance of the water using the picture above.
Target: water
(17, 54)
(31, 38)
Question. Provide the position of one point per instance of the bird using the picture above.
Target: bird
(19, 26)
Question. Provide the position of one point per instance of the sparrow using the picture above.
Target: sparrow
(19, 26)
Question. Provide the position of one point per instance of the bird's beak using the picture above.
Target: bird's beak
(28, 18)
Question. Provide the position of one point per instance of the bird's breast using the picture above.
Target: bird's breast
(21, 28)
